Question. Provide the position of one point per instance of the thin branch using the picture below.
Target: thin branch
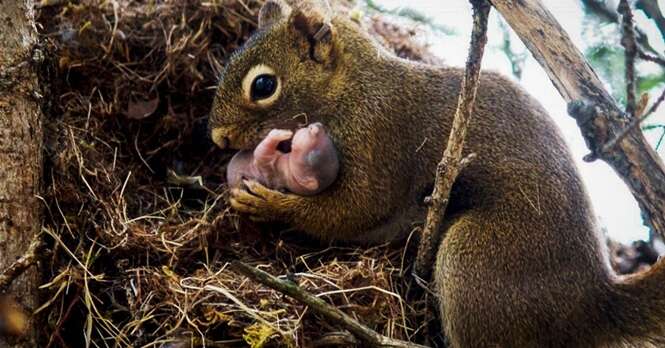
(604, 12)
(640, 116)
(334, 315)
(652, 10)
(656, 104)
(651, 58)
(662, 134)
(517, 59)
(601, 10)
(660, 140)
(24, 262)
(452, 162)
(630, 49)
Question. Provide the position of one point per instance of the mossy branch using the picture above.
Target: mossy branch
(332, 314)
(452, 162)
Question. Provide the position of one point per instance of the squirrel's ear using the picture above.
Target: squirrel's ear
(271, 12)
(317, 32)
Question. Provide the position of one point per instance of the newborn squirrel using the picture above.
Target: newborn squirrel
(309, 168)
(521, 263)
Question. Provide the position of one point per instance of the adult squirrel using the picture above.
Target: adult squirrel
(521, 264)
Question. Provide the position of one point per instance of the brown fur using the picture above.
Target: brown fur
(521, 264)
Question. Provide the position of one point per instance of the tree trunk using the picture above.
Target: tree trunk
(20, 152)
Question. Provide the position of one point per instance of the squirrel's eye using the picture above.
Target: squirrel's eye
(263, 86)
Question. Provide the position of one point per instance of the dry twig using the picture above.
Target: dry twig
(452, 162)
(652, 10)
(602, 10)
(319, 306)
(630, 48)
(21, 264)
(656, 104)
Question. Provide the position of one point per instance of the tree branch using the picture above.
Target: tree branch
(451, 162)
(597, 114)
(21, 264)
(608, 14)
(602, 10)
(630, 49)
(652, 10)
(334, 315)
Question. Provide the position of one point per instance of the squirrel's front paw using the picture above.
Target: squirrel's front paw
(259, 202)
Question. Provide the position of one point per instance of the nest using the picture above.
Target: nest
(136, 199)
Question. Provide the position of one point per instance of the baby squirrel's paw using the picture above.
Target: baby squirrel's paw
(260, 202)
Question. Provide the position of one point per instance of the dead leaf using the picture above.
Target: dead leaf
(641, 105)
(140, 109)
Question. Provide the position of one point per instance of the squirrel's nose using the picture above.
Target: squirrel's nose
(220, 138)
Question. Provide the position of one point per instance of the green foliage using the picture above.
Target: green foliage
(650, 82)
(516, 57)
(608, 62)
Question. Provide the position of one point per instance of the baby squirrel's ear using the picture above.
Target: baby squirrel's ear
(317, 31)
(271, 12)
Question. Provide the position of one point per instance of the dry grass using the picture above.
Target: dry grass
(140, 230)
(136, 212)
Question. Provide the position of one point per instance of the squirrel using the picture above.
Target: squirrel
(521, 263)
(307, 166)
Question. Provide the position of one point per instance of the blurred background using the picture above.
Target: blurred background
(593, 27)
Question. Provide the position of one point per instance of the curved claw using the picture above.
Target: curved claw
(262, 192)
(257, 201)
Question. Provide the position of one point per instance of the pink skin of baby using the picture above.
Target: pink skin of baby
(310, 167)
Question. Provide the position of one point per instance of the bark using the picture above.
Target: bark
(20, 152)
(597, 114)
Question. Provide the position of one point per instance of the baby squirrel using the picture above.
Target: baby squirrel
(521, 264)
(308, 168)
